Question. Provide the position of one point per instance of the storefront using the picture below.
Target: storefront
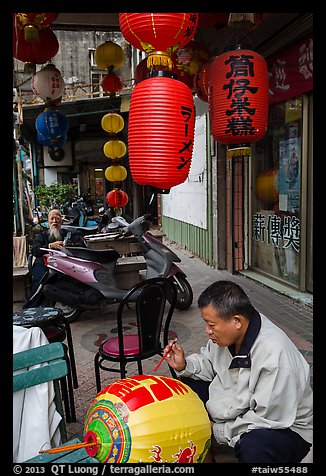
(281, 173)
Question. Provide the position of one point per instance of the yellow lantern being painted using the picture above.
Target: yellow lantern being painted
(109, 55)
(112, 123)
(116, 173)
(147, 418)
(114, 149)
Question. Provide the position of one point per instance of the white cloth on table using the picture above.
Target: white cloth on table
(35, 418)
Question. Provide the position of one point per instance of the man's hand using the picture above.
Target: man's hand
(56, 245)
(175, 356)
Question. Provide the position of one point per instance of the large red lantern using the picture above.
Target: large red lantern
(238, 97)
(32, 23)
(158, 34)
(188, 60)
(38, 52)
(117, 198)
(161, 132)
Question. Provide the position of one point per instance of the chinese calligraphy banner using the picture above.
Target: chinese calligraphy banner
(291, 71)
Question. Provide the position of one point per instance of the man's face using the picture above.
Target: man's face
(55, 221)
(220, 331)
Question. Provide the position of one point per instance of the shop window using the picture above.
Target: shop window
(276, 198)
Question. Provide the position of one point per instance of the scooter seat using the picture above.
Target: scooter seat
(100, 256)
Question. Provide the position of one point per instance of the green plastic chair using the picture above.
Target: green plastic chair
(54, 356)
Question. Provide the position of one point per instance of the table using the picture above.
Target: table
(124, 246)
(37, 316)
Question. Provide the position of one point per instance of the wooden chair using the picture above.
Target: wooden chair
(53, 355)
(153, 299)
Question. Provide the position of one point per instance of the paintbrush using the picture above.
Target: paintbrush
(165, 354)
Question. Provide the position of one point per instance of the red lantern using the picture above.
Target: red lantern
(117, 198)
(38, 52)
(32, 23)
(201, 82)
(238, 97)
(188, 60)
(141, 71)
(161, 132)
(158, 34)
(111, 83)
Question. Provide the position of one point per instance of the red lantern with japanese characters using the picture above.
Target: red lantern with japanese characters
(158, 34)
(161, 132)
(238, 97)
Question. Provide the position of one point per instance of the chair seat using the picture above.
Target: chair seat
(54, 334)
(130, 344)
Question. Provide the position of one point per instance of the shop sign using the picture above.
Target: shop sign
(277, 231)
(291, 71)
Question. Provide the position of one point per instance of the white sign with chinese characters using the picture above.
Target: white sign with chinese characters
(277, 231)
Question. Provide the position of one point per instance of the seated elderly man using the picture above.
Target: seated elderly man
(53, 238)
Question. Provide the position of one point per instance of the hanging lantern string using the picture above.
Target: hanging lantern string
(73, 447)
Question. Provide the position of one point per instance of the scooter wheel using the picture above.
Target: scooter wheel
(71, 314)
(184, 292)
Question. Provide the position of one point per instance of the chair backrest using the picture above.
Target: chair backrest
(154, 303)
(50, 354)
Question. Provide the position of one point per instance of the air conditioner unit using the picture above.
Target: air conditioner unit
(63, 157)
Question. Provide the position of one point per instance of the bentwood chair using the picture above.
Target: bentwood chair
(154, 301)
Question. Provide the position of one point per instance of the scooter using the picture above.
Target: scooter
(80, 279)
(77, 213)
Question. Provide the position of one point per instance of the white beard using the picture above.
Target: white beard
(55, 234)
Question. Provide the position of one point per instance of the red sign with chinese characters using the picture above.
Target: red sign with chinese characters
(291, 71)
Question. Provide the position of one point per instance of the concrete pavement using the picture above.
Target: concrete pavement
(293, 316)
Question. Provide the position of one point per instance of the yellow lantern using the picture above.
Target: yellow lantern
(112, 123)
(116, 173)
(266, 187)
(109, 55)
(147, 418)
(114, 149)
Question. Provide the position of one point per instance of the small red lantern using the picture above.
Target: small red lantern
(32, 23)
(141, 71)
(117, 198)
(161, 132)
(201, 82)
(158, 34)
(111, 83)
(188, 60)
(38, 52)
(238, 97)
